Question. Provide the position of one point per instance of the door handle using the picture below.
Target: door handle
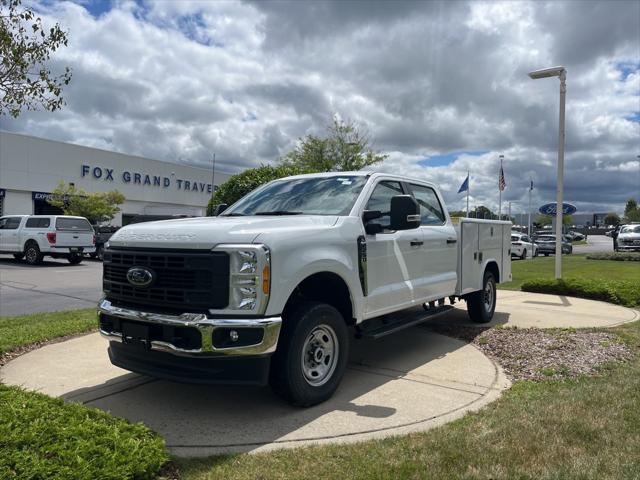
(416, 243)
(451, 240)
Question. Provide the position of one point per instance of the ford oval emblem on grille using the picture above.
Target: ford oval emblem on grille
(141, 276)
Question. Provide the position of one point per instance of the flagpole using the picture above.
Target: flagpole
(500, 190)
(468, 188)
(529, 223)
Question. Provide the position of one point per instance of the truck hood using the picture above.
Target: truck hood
(207, 232)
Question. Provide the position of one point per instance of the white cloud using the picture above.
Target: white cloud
(180, 80)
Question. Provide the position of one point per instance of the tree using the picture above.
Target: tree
(25, 48)
(346, 147)
(543, 220)
(612, 219)
(95, 207)
(631, 211)
(239, 185)
(481, 212)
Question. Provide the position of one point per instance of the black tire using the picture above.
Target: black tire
(524, 254)
(291, 376)
(32, 253)
(100, 252)
(74, 258)
(546, 254)
(18, 256)
(480, 309)
(535, 252)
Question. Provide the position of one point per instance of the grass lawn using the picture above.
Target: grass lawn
(573, 266)
(16, 332)
(45, 438)
(587, 428)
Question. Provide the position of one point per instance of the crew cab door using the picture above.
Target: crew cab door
(9, 234)
(393, 257)
(439, 259)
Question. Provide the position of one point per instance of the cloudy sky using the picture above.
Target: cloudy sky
(441, 87)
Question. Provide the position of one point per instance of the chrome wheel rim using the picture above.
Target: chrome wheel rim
(488, 297)
(320, 355)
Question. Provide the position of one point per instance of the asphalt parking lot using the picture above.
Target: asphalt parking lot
(55, 285)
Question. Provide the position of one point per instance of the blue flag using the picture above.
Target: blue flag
(465, 185)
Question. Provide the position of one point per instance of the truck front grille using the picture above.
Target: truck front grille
(185, 281)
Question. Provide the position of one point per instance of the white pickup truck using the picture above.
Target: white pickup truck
(273, 289)
(59, 236)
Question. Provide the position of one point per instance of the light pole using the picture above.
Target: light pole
(561, 73)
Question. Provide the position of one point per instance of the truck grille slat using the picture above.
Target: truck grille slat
(184, 280)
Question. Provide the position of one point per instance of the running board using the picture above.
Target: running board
(388, 324)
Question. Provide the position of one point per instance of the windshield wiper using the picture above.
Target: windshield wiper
(233, 215)
(278, 212)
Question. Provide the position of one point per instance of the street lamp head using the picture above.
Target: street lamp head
(547, 72)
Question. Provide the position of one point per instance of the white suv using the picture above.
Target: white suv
(33, 236)
(521, 246)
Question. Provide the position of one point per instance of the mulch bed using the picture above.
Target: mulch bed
(553, 354)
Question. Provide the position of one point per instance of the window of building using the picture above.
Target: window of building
(431, 211)
(38, 223)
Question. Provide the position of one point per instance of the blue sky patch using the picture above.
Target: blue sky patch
(635, 117)
(448, 158)
(96, 7)
(627, 68)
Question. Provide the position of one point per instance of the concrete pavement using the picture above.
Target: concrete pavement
(54, 285)
(595, 244)
(410, 381)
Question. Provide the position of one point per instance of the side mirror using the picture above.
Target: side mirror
(221, 207)
(405, 213)
(372, 228)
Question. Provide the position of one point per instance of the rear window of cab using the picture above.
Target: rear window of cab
(76, 224)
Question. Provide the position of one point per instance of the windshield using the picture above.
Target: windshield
(333, 195)
(69, 223)
(546, 239)
(635, 229)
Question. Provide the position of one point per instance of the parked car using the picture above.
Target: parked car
(272, 289)
(628, 238)
(522, 245)
(575, 236)
(34, 236)
(547, 244)
(103, 234)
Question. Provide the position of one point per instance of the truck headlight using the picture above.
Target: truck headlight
(249, 278)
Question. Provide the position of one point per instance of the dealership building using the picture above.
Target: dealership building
(31, 167)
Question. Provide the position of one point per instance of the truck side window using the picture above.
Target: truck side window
(38, 223)
(380, 200)
(10, 223)
(430, 208)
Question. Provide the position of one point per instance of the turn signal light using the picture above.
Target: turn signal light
(51, 237)
(266, 279)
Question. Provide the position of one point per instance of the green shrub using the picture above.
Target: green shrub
(618, 256)
(620, 292)
(239, 185)
(46, 438)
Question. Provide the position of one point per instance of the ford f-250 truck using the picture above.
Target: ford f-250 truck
(273, 289)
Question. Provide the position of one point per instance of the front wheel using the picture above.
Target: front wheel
(312, 354)
(524, 254)
(535, 252)
(482, 304)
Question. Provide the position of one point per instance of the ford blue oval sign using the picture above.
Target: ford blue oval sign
(551, 209)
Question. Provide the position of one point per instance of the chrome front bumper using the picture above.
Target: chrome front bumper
(204, 325)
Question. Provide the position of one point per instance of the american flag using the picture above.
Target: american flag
(501, 183)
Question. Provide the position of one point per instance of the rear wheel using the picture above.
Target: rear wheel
(74, 258)
(524, 254)
(312, 354)
(32, 254)
(482, 304)
(546, 254)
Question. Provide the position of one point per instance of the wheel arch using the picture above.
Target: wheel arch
(327, 287)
